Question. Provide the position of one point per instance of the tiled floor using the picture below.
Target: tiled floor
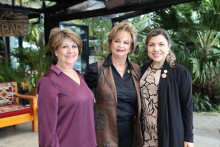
(19, 136)
(206, 129)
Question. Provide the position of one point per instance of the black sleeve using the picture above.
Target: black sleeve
(186, 104)
(91, 76)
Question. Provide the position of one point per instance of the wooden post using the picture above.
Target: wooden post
(21, 3)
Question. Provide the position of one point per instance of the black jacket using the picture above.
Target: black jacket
(175, 106)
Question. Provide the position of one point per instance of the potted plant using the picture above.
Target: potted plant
(34, 60)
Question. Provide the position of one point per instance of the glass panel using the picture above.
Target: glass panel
(82, 31)
(14, 43)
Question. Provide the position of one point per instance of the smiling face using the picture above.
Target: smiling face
(67, 53)
(158, 48)
(121, 44)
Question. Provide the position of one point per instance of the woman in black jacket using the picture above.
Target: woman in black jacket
(166, 93)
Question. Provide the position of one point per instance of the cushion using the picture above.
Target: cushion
(12, 110)
(7, 92)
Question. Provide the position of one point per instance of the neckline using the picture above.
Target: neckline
(79, 84)
(151, 66)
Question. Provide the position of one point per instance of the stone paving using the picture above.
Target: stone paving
(206, 130)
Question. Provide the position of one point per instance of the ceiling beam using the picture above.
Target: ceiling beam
(135, 14)
(19, 9)
(62, 5)
(130, 15)
(147, 6)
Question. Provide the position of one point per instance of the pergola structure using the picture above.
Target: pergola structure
(64, 10)
(55, 12)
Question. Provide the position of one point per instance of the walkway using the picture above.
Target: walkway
(206, 129)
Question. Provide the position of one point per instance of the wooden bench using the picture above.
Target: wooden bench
(11, 112)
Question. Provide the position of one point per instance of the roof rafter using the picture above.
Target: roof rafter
(20, 9)
(146, 6)
(61, 5)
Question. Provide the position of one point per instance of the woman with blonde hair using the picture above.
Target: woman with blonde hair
(115, 82)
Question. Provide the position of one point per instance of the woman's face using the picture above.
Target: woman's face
(67, 53)
(158, 49)
(121, 44)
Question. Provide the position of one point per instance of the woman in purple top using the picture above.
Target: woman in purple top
(65, 103)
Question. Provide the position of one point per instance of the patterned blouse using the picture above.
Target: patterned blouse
(149, 85)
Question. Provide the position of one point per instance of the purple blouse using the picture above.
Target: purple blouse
(65, 111)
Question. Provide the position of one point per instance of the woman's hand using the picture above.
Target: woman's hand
(188, 144)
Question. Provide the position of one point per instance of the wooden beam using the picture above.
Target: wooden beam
(148, 6)
(20, 9)
(62, 5)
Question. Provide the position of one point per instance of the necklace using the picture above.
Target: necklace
(153, 71)
(119, 70)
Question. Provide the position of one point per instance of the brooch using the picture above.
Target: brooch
(164, 75)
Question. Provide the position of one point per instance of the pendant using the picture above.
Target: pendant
(129, 71)
(152, 74)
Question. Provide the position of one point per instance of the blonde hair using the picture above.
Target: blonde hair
(123, 26)
(170, 59)
(57, 36)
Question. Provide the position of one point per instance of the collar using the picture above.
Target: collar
(108, 61)
(55, 69)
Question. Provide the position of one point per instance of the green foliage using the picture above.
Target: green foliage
(101, 55)
(33, 36)
(194, 29)
(217, 109)
(140, 55)
(34, 60)
(7, 73)
(201, 103)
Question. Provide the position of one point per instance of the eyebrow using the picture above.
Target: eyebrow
(154, 42)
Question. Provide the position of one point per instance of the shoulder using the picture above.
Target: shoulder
(92, 70)
(47, 81)
(135, 66)
(144, 67)
(93, 67)
(181, 74)
(100, 63)
(50, 74)
(180, 69)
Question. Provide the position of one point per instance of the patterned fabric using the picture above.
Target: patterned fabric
(149, 85)
(7, 92)
(11, 110)
(100, 118)
(106, 104)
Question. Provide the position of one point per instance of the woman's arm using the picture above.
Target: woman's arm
(47, 113)
(91, 76)
(185, 92)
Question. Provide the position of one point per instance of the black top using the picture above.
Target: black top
(126, 92)
(175, 106)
